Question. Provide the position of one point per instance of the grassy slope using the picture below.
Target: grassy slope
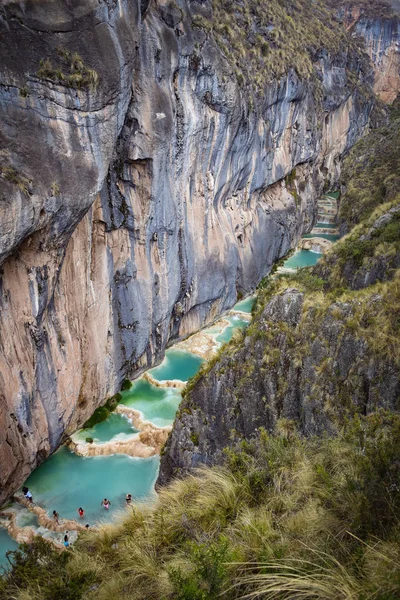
(263, 40)
(320, 517)
(371, 174)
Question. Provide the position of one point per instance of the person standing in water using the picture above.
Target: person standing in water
(80, 512)
(27, 494)
(106, 503)
(56, 517)
(66, 540)
(128, 499)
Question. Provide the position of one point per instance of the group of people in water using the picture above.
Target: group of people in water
(56, 517)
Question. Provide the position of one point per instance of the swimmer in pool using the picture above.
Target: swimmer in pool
(80, 512)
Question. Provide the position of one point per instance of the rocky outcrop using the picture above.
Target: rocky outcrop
(140, 190)
(294, 365)
(315, 244)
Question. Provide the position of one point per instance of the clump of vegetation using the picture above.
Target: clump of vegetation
(371, 174)
(55, 189)
(263, 40)
(126, 385)
(103, 412)
(40, 568)
(13, 176)
(24, 91)
(285, 516)
(69, 70)
(290, 182)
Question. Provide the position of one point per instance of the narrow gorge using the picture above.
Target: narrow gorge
(160, 159)
(141, 192)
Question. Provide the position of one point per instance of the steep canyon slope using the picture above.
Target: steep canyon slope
(323, 346)
(149, 170)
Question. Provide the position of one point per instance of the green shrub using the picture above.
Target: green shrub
(126, 385)
(12, 176)
(194, 438)
(206, 580)
(72, 71)
(103, 412)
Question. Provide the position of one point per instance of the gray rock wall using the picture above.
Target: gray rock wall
(381, 34)
(301, 365)
(133, 210)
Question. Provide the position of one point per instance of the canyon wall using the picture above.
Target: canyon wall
(141, 189)
(379, 26)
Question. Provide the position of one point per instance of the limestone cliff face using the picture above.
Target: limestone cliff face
(139, 191)
(381, 33)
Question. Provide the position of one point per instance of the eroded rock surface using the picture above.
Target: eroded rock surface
(380, 28)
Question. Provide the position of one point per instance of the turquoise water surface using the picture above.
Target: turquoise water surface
(65, 481)
(177, 364)
(116, 427)
(334, 195)
(325, 236)
(235, 324)
(245, 305)
(301, 258)
(157, 405)
(325, 225)
(6, 543)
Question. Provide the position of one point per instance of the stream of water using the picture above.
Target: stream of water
(66, 481)
(6, 543)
